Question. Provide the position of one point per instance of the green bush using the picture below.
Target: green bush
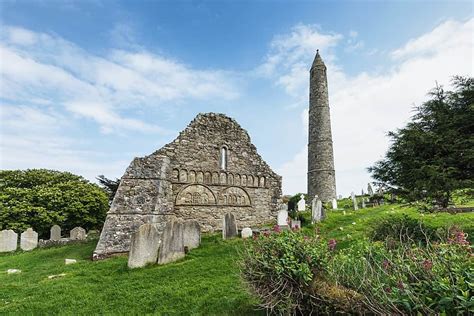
(282, 269)
(40, 198)
(295, 274)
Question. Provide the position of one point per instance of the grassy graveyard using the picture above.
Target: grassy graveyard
(206, 282)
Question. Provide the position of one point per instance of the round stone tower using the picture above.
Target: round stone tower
(321, 176)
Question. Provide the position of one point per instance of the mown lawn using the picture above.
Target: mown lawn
(205, 282)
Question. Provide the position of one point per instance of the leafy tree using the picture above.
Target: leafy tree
(110, 186)
(434, 153)
(40, 198)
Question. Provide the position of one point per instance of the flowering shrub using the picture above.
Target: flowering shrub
(293, 273)
(281, 268)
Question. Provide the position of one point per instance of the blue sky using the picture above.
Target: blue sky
(86, 86)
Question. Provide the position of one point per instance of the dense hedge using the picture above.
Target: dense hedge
(40, 198)
(296, 274)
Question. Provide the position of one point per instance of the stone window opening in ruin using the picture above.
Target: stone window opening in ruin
(224, 156)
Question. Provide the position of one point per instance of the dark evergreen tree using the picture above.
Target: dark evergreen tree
(110, 186)
(434, 153)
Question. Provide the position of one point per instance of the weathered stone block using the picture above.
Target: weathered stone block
(229, 226)
(192, 234)
(282, 218)
(172, 242)
(77, 233)
(144, 246)
(8, 240)
(55, 233)
(29, 240)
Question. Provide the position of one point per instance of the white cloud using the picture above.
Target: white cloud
(366, 106)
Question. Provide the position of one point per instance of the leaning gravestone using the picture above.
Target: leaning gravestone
(55, 233)
(192, 234)
(172, 242)
(78, 233)
(29, 239)
(354, 201)
(229, 226)
(317, 210)
(144, 246)
(246, 233)
(8, 240)
(283, 215)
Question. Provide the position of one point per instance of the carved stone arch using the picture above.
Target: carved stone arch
(223, 178)
(250, 181)
(195, 194)
(237, 179)
(199, 177)
(183, 175)
(207, 177)
(230, 179)
(262, 182)
(175, 175)
(192, 176)
(255, 181)
(244, 180)
(215, 178)
(229, 196)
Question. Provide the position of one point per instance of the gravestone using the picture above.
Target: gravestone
(229, 226)
(192, 234)
(8, 240)
(29, 240)
(295, 224)
(354, 201)
(283, 215)
(55, 233)
(317, 210)
(246, 233)
(144, 246)
(78, 233)
(363, 202)
(301, 205)
(370, 190)
(69, 261)
(172, 242)
(334, 204)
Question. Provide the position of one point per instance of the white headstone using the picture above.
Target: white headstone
(334, 204)
(70, 261)
(78, 233)
(301, 205)
(55, 233)
(363, 202)
(317, 212)
(29, 239)
(246, 232)
(8, 240)
(283, 215)
(354, 201)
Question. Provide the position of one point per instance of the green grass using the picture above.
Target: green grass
(205, 282)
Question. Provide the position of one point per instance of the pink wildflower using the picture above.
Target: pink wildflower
(386, 264)
(276, 228)
(427, 265)
(332, 244)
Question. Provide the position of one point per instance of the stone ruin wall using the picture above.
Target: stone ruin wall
(184, 179)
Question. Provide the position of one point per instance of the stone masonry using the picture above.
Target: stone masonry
(321, 175)
(210, 169)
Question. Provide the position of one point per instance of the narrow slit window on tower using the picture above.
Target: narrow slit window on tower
(223, 158)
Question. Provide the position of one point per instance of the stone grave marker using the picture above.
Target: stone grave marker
(55, 233)
(172, 242)
(354, 201)
(334, 204)
(317, 210)
(229, 226)
(283, 215)
(8, 240)
(29, 239)
(144, 246)
(246, 233)
(192, 234)
(77, 233)
(363, 202)
(295, 224)
(301, 205)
